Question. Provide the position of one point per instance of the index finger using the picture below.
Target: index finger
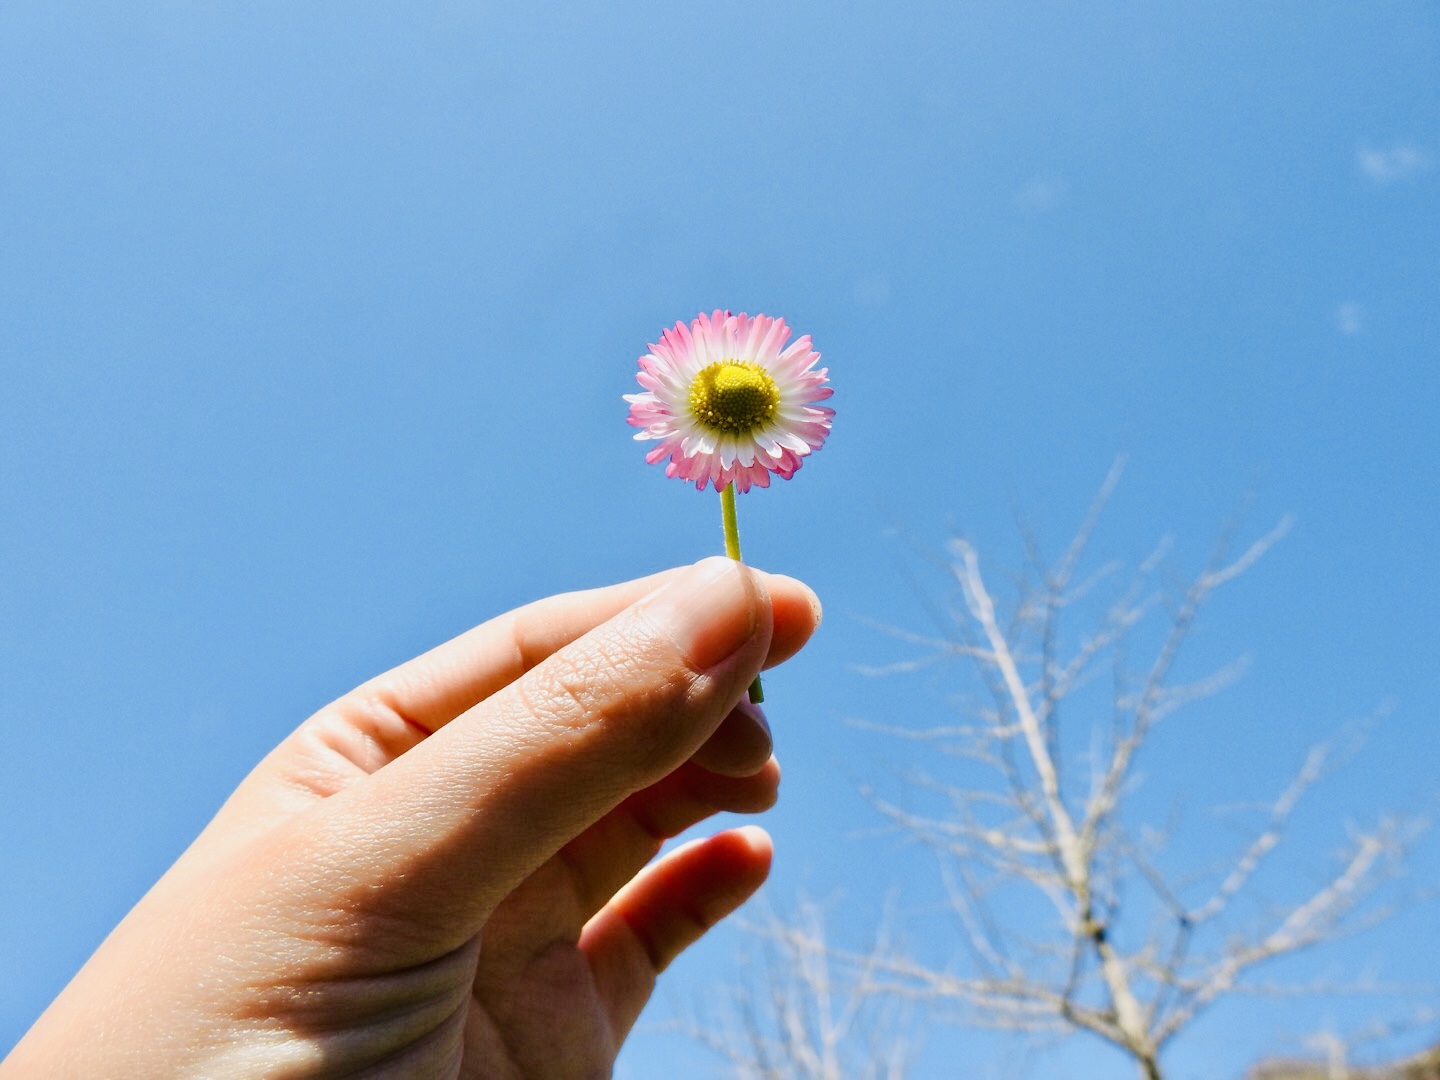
(384, 718)
(390, 714)
(450, 679)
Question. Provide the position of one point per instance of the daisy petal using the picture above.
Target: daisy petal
(725, 405)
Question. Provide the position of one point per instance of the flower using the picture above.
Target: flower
(727, 405)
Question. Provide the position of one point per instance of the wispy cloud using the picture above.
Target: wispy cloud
(1393, 164)
(1350, 318)
(871, 291)
(1040, 195)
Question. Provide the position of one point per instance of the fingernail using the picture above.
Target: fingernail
(755, 714)
(815, 605)
(741, 744)
(709, 611)
(756, 730)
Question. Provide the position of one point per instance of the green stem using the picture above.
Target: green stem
(732, 549)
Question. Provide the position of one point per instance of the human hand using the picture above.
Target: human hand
(447, 872)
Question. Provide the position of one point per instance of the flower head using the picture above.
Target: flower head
(727, 405)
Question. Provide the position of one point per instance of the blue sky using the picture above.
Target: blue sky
(315, 318)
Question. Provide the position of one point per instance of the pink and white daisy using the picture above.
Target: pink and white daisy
(727, 405)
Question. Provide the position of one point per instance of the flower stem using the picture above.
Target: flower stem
(732, 549)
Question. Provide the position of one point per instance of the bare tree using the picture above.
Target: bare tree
(806, 1012)
(1337, 1052)
(1422, 1066)
(1070, 921)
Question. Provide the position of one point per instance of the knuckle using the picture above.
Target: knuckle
(624, 681)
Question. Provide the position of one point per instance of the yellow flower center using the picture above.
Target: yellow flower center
(734, 396)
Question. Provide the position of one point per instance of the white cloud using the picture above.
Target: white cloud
(1040, 195)
(872, 291)
(1350, 318)
(1399, 162)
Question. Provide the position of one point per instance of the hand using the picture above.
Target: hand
(448, 872)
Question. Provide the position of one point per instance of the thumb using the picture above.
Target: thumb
(445, 832)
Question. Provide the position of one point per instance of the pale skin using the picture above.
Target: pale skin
(451, 871)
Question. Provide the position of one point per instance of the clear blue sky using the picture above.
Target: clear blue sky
(315, 318)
